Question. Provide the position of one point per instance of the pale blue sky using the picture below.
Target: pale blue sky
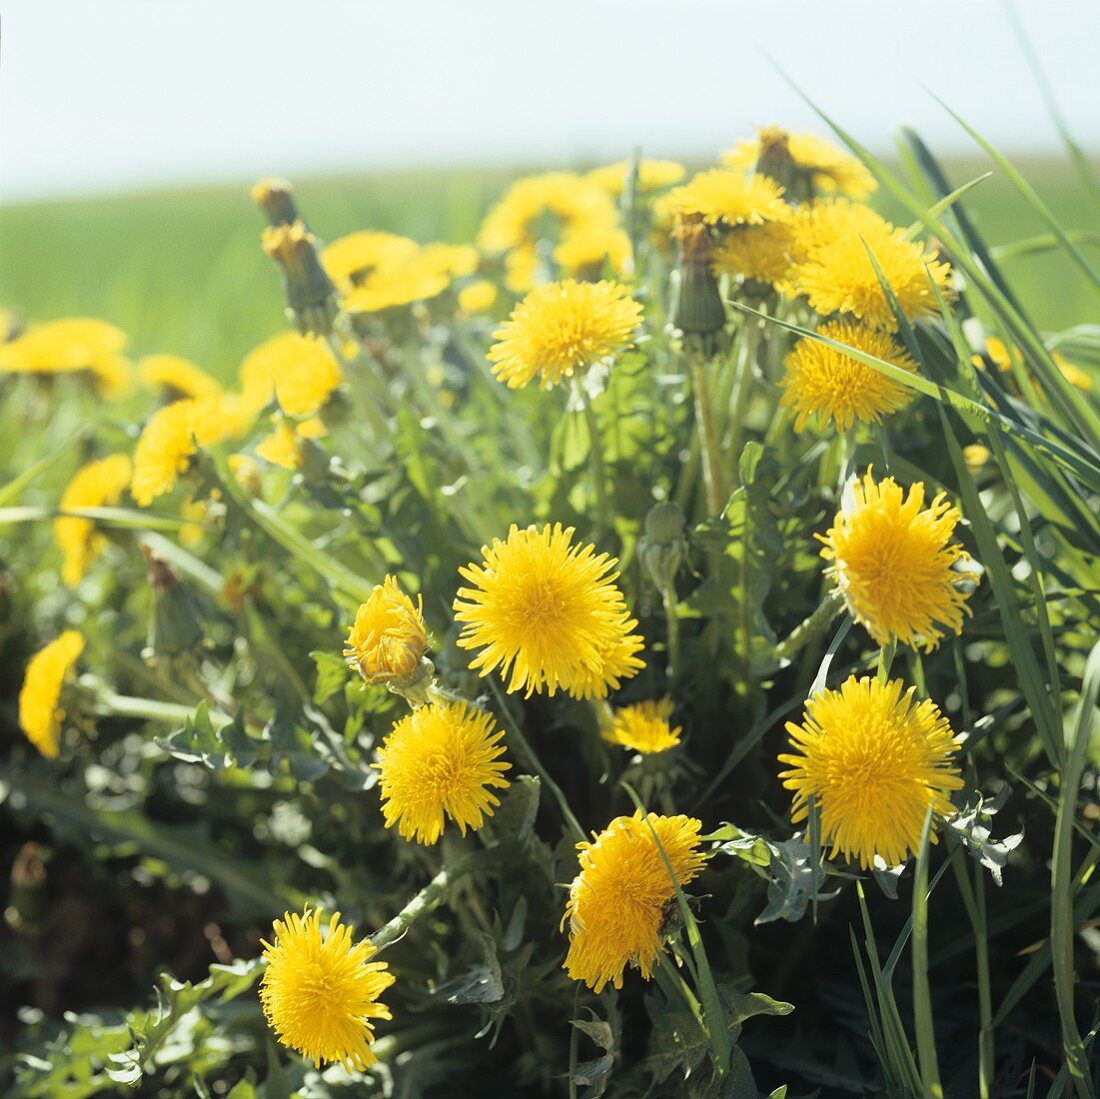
(111, 94)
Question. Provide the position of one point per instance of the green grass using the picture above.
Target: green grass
(182, 271)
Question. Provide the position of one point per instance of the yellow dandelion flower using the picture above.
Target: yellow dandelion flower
(836, 274)
(169, 440)
(40, 715)
(644, 727)
(440, 761)
(998, 354)
(1072, 373)
(534, 204)
(478, 297)
(821, 380)
(873, 760)
(587, 250)
(283, 447)
(351, 259)
(301, 372)
(563, 328)
(618, 903)
(523, 269)
(246, 473)
(976, 455)
(388, 637)
(653, 175)
(829, 168)
(179, 376)
(72, 344)
(320, 990)
(892, 562)
(97, 484)
(548, 614)
(723, 197)
(759, 252)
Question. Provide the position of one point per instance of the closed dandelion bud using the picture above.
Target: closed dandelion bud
(312, 302)
(386, 644)
(775, 161)
(176, 625)
(663, 546)
(276, 198)
(696, 307)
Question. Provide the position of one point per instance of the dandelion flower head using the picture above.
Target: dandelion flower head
(388, 637)
(178, 376)
(69, 345)
(351, 259)
(727, 198)
(301, 372)
(874, 760)
(320, 990)
(477, 297)
(40, 715)
(831, 170)
(892, 560)
(547, 613)
(619, 901)
(644, 727)
(836, 274)
(97, 484)
(653, 175)
(561, 329)
(440, 761)
(759, 252)
(821, 380)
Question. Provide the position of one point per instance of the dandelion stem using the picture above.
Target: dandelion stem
(425, 900)
(811, 628)
(713, 482)
(599, 471)
(515, 736)
(739, 399)
(148, 708)
(365, 386)
(974, 902)
(672, 624)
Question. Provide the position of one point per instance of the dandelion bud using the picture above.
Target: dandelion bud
(276, 198)
(176, 625)
(696, 306)
(311, 296)
(387, 642)
(663, 546)
(774, 160)
(246, 473)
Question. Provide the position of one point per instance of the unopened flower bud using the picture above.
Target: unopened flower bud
(312, 302)
(387, 642)
(696, 306)
(663, 546)
(276, 198)
(177, 624)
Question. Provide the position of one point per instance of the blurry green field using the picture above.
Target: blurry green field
(182, 271)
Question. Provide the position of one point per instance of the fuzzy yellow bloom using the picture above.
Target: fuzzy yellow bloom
(320, 990)
(478, 297)
(1072, 373)
(838, 388)
(585, 251)
(169, 440)
(548, 614)
(644, 727)
(836, 274)
(438, 762)
(301, 372)
(97, 484)
(652, 175)
(388, 637)
(69, 345)
(829, 168)
(561, 329)
(282, 447)
(619, 902)
(976, 455)
(727, 198)
(892, 561)
(177, 375)
(349, 260)
(40, 716)
(520, 217)
(874, 761)
(759, 252)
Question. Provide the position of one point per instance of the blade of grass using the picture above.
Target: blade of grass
(922, 994)
(120, 518)
(1062, 921)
